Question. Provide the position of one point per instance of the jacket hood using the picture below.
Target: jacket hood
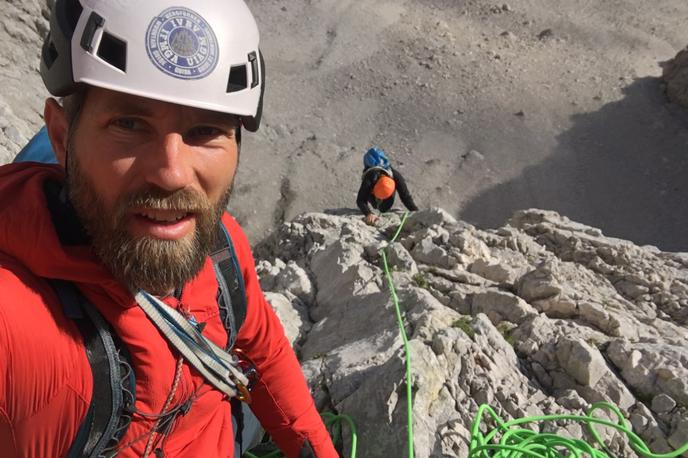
(29, 232)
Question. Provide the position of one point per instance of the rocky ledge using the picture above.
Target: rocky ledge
(541, 316)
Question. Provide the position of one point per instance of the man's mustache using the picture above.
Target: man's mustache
(182, 200)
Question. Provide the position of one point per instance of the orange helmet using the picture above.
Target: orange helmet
(384, 188)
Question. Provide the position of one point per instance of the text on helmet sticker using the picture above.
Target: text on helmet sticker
(181, 44)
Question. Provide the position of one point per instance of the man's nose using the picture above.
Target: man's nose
(169, 165)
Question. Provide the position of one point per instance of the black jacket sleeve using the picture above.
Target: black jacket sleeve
(365, 191)
(403, 191)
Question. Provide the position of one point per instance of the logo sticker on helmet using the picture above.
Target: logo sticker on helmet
(181, 43)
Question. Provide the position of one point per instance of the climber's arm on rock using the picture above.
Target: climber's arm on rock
(403, 191)
(364, 193)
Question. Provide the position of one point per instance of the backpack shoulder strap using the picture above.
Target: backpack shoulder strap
(113, 380)
(231, 296)
(376, 168)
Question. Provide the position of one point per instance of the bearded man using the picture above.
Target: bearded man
(118, 242)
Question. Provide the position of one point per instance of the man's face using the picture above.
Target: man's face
(149, 181)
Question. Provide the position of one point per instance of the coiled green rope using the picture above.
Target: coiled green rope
(336, 422)
(524, 443)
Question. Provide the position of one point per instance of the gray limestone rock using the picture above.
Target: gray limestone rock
(583, 362)
(428, 218)
(399, 258)
(469, 245)
(675, 74)
(539, 284)
(428, 252)
(653, 368)
(679, 437)
(292, 313)
(663, 403)
(499, 306)
(285, 277)
(493, 271)
(540, 350)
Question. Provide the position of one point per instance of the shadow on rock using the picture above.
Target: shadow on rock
(622, 169)
(342, 211)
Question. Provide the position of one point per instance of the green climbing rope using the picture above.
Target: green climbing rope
(507, 439)
(336, 421)
(515, 442)
(332, 421)
(402, 331)
(524, 443)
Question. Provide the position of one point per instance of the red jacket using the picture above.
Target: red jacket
(45, 378)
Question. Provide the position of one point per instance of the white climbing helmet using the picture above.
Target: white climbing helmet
(204, 54)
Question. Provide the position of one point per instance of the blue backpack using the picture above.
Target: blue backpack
(375, 157)
(38, 149)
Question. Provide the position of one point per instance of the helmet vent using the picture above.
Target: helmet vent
(253, 59)
(94, 23)
(237, 78)
(113, 51)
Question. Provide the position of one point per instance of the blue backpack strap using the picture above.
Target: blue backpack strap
(105, 422)
(231, 296)
(38, 149)
(231, 299)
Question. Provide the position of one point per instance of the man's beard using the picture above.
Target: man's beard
(155, 265)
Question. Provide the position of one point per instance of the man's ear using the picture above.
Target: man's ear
(58, 128)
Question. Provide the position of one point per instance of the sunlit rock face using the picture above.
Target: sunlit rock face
(541, 316)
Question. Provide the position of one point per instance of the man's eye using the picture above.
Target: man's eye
(205, 131)
(127, 123)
